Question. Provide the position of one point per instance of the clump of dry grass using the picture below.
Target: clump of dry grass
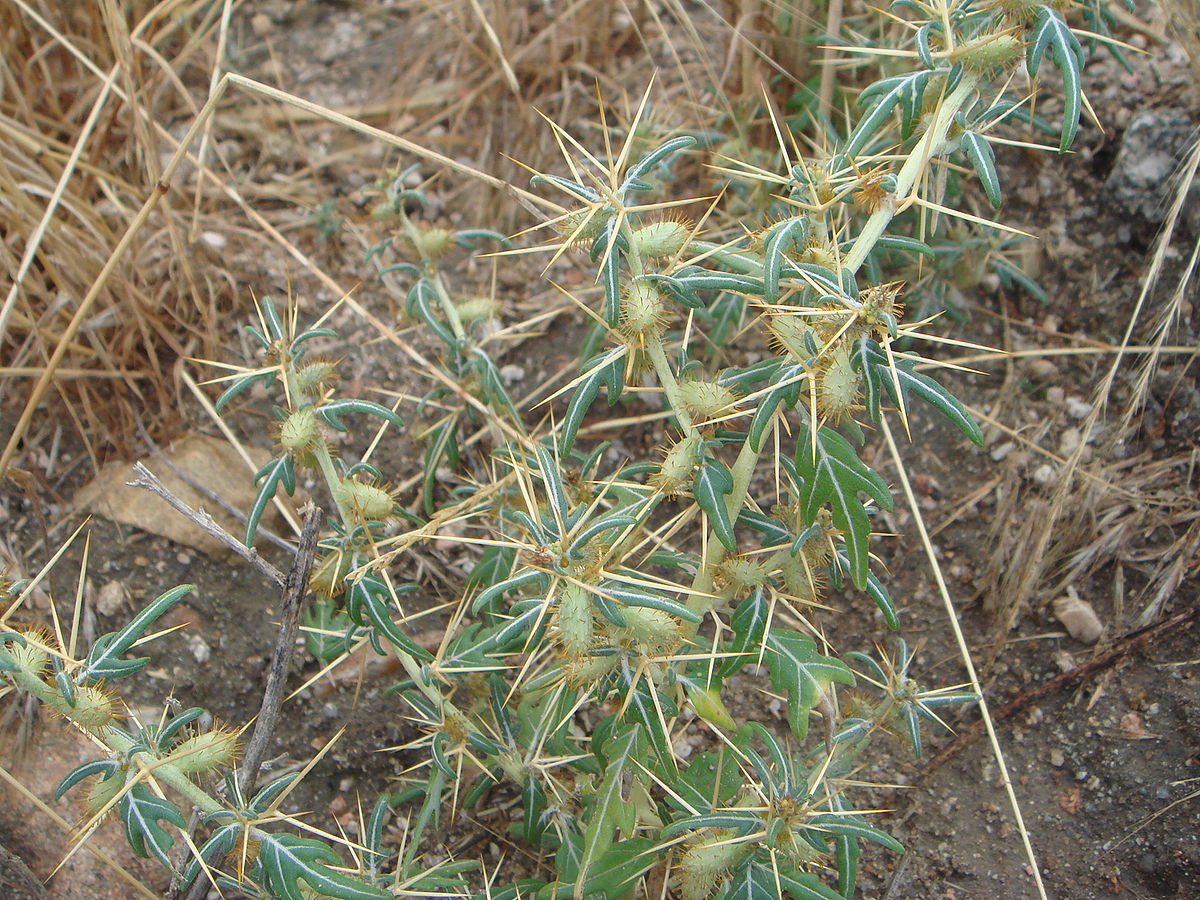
(88, 89)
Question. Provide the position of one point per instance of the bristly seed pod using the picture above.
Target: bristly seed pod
(839, 387)
(706, 399)
(431, 241)
(367, 501)
(30, 657)
(989, 52)
(653, 630)
(300, 432)
(314, 377)
(679, 462)
(587, 670)
(328, 574)
(804, 583)
(738, 575)
(660, 239)
(705, 863)
(102, 792)
(207, 751)
(642, 309)
(477, 309)
(576, 624)
(93, 707)
(584, 225)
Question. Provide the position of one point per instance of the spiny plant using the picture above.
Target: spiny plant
(615, 600)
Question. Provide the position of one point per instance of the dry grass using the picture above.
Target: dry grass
(77, 154)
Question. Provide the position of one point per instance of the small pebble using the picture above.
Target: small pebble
(1056, 758)
(1044, 475)
(1078, 408)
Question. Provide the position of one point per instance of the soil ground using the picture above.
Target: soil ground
(1105, 771)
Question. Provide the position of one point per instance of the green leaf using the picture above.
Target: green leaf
(285, 859)
(636, 595)
(977, 149)
(803, 886)
(371, 595)
(104, 659)
(141, 812)
(713, 483)
(104, 769)
(607, 370)
(280, 470)
(905, 91)
(442, 445)
(755, 879)
(267, 378)
(610, 811)
(835, 475)
(633, 177)
(494, 565)
(749, 624)
(853, 826)
(781, 239)
(743, 821)
(877, 372)
(467, 237)
(797, 668)
(492, 385)
(1051, 33)
(331, 413)
(711, 780)
(785, 389)
(420, 303)
(643, 710)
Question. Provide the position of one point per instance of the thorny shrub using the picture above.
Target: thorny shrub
(612, 601)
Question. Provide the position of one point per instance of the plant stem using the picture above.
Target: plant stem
(912, 170)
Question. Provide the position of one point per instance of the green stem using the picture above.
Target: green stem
(913, 168)
(666, 377)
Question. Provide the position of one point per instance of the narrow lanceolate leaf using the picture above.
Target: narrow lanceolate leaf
(104, 659)
(834, 474)
(636, 595)
(740, 820)
(331, 413)
(1051, 33)
(142, 812)
(714, 482)
(607, 370)
(781, 240)
(371, 596)
(633, 177)
(878, 373)
(609, 811)
(267, 378)
(797, 668)
(749, 624)
(905, 91)
(284, 860)
(977, 149)
(760, 878)
(276, 472)
(853, 826)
